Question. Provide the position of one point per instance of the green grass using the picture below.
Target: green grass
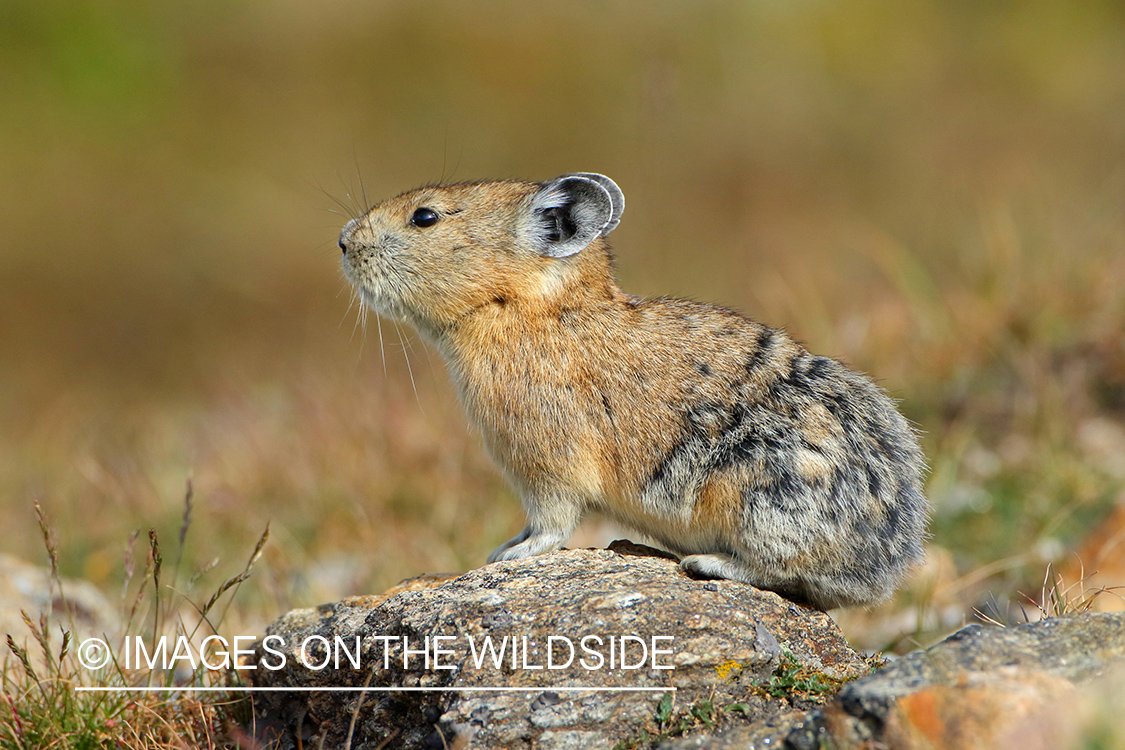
(669, 723)
(795, 682)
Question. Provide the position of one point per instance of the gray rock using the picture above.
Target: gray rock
(1052, 685)
(27, 588)
(740, 660)
(977, 688)
(715, 643)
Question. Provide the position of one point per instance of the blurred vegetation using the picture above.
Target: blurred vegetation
(931, 191)
(55, 694)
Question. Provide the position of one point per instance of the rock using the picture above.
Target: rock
(1039, 685)
(29, 588)
(585, 624)
(726, 666)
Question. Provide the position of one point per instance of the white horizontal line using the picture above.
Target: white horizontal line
(307, 689)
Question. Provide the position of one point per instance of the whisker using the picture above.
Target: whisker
(352, 209)
(444, 153)
(359, 175)
(360, 320)
(445, 158)
(382, 352)
(430, 361)
(409, 369)
(353, 299)
(349, 210)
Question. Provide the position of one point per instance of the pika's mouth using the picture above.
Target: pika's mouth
(375, 301)
(367, 270)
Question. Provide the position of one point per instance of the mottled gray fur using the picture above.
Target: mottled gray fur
(719, 437)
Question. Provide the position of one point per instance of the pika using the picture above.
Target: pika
(720, 438)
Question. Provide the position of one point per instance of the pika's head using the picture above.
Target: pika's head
(436, 254)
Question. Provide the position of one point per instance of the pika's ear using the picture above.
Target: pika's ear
(569, 212)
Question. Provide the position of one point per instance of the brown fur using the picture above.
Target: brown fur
(717, 436)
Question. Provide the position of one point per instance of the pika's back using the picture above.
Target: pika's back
(796, 452)
(719, 437)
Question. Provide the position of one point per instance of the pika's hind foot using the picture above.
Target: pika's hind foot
(716, 566)
(730, 568)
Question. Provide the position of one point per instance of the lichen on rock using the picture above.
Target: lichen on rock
(599, 636)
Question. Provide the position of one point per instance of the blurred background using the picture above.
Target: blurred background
(931, 191)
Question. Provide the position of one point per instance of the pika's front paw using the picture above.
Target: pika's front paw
(527, 543)
(500, 553)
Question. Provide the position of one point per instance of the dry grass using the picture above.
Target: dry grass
(931, 192)
(45, 701)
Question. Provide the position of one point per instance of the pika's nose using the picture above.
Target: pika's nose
(346, 235)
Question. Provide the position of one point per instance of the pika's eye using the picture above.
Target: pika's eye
(424, 217)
